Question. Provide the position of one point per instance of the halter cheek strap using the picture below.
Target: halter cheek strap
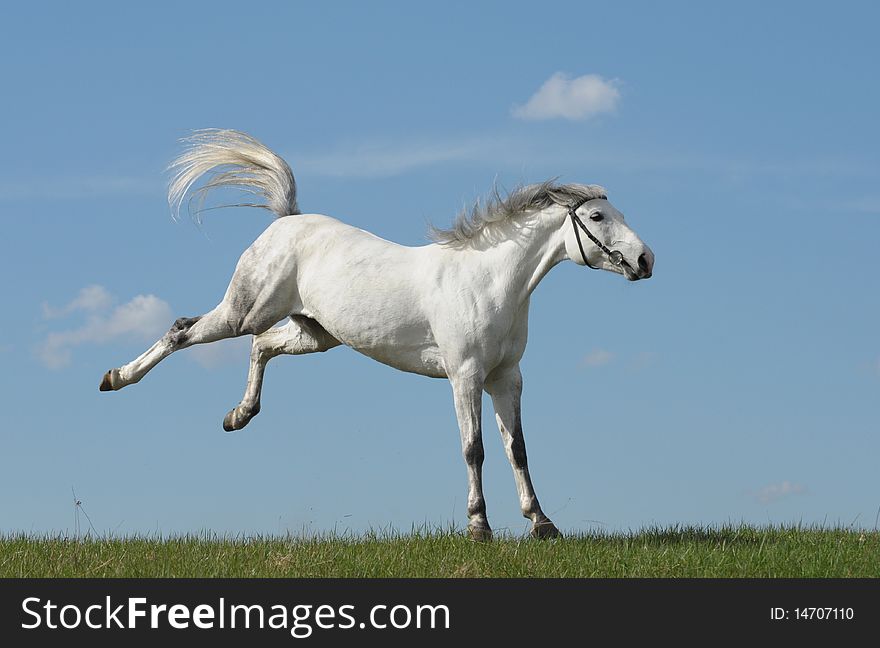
(613, 255)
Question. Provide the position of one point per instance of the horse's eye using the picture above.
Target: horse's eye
(596, 217)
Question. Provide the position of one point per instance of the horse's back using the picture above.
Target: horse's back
(319, 229)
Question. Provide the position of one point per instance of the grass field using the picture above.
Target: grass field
(658, 552)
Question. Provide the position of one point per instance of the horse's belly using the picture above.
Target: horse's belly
(425, 361)
(369, 295)
(409, 347)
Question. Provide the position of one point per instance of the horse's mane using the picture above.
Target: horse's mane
(469, 223)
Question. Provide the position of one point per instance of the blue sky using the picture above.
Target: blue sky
(739, 383)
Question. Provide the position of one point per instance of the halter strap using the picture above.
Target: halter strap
(613, 255)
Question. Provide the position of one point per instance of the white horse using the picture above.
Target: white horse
(457, 308)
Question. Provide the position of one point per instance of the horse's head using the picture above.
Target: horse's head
(598, 236)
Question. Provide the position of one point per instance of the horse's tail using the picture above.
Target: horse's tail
(245, 162)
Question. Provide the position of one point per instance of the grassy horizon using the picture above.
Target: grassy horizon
(686, 551)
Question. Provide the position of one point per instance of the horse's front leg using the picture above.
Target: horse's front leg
(506, 392)
(467, 391)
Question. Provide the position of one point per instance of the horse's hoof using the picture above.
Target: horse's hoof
(234, 421)
(229, 421)
(107, 382)
(480, 534)
(545, 530)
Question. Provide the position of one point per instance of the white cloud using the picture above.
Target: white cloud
(773, 492)
(597, 358)
(91, 298)
(145, 317)
(562, 97)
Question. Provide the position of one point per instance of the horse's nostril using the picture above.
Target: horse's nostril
(643, 263)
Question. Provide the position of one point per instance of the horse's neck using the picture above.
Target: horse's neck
(531, 246)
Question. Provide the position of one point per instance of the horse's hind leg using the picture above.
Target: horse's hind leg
(243, 311)
(261, 293)
(300, 335)
(185, 332)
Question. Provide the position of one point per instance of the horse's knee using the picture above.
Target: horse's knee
(177, 334)
(473, 452)
(184, 323)
(259, 352)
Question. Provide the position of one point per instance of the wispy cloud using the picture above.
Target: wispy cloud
(561, 97)
(863, 205)
(380, 157)
(388, 158)
(79, 187)
(644, 360)
(144, 317)
(773, 492)
(597, 358)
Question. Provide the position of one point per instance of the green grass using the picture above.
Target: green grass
(729, 551)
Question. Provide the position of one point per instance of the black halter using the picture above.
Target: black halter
(614, 256)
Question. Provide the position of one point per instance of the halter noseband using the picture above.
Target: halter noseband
(614, 256)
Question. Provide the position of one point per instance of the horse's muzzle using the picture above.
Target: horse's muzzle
(646, 267)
